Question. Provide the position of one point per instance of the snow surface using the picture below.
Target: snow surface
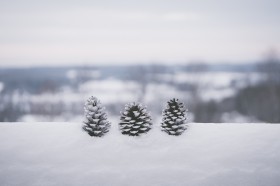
(206, 154)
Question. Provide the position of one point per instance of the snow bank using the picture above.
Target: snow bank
(206, 154)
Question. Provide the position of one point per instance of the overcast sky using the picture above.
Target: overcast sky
(57, 32)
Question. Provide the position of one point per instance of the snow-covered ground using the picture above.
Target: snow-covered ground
(206, 154)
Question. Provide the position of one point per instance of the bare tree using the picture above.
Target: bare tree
(270, 68)
(203, 111)
(263, 100)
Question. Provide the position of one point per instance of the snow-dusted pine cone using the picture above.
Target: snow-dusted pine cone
(174, 119)
(135, 120)
(95, 123)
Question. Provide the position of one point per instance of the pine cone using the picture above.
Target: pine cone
(135, 120)
(174, 120)
(95, 123)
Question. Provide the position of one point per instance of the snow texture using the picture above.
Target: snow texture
(205, 155)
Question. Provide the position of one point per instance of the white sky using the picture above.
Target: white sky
(71, 32)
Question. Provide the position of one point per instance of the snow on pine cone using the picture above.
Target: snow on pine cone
(95, 123)
(174, 120)
(135, 120)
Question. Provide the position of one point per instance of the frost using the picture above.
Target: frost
(136, 126)
(136, 113)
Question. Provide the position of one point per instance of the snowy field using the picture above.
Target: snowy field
(65, 102)
(206, 155)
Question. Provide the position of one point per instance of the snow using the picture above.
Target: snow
(73, 74)
(206, 154)
(236, 117)
(216, 79)
(217, 94)
(213, 85)
(110, 90)
(136, 113)
(155, 92)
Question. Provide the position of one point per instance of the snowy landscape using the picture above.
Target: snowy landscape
(33, 95)
(205, 155)
(139, 93)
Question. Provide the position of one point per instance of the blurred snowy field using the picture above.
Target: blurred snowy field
(115, 93)
(205, 155)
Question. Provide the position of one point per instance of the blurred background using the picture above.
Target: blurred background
(219, 57)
